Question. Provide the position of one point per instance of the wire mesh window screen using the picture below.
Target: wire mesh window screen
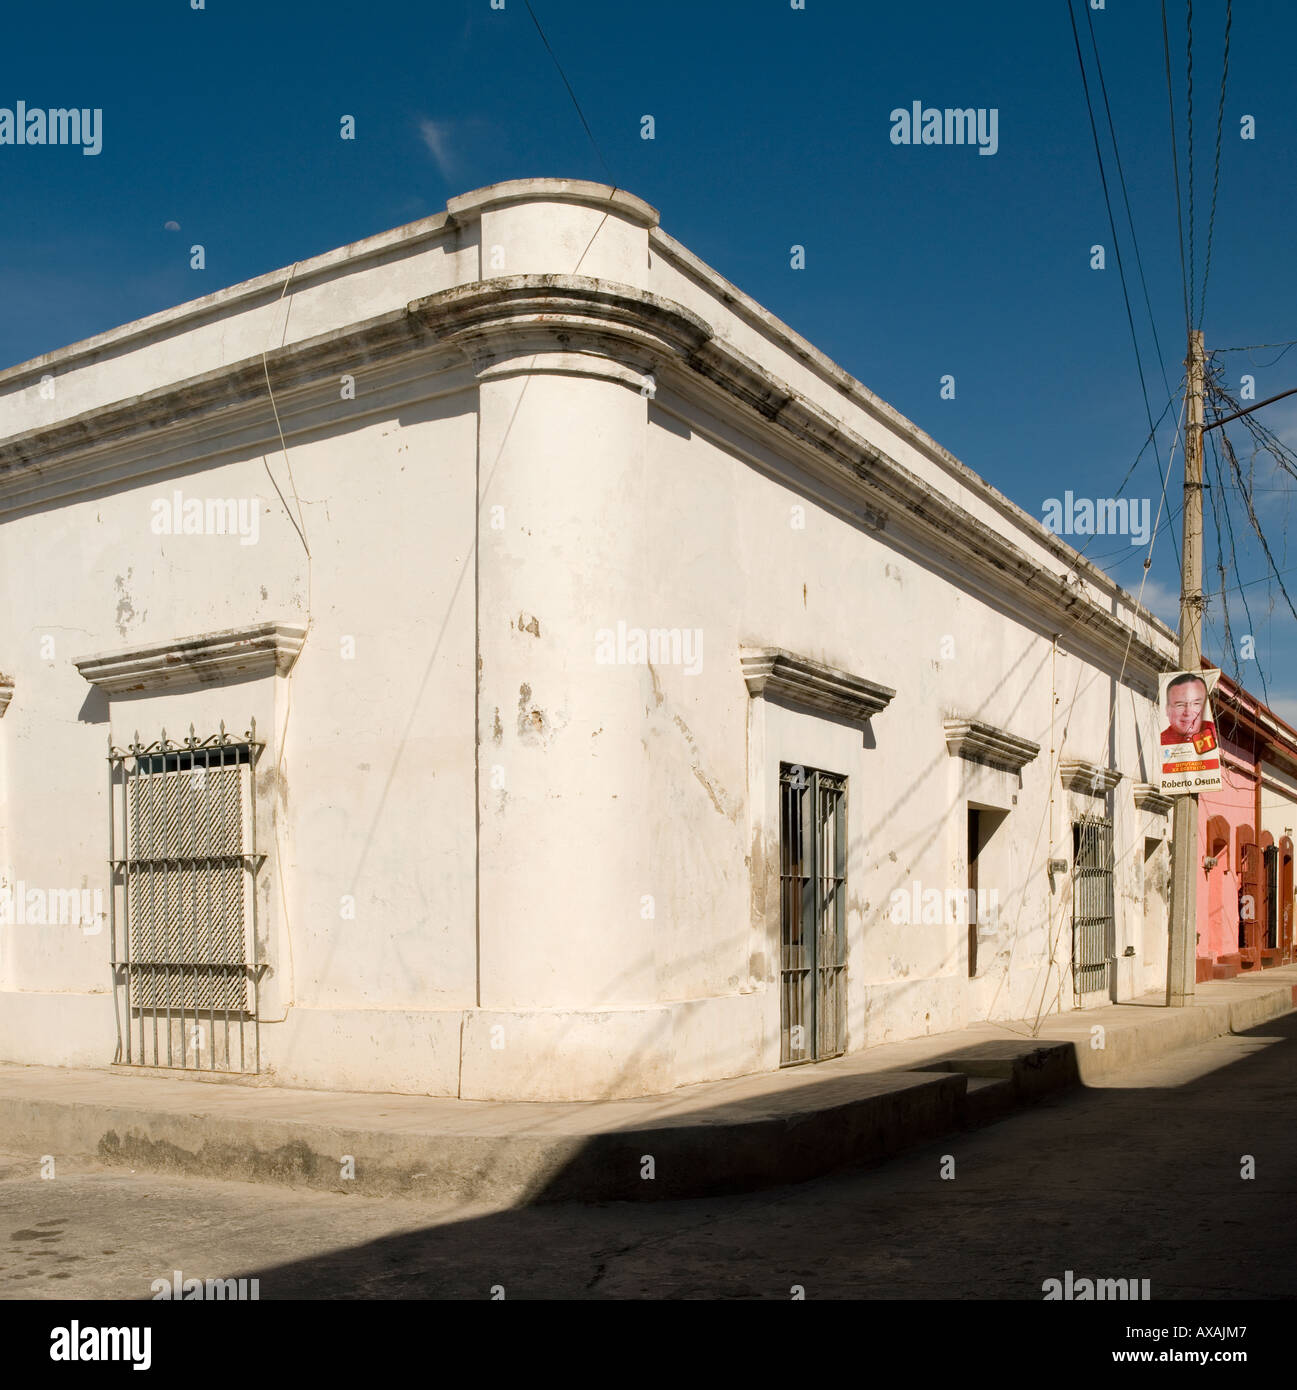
(1092, 903)
(812, 875)
(183, 855)
(187, 881)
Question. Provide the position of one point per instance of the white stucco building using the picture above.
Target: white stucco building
(605, 676)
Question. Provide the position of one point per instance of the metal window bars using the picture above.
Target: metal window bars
(812, 877)
(186, 983)
(1093, 939)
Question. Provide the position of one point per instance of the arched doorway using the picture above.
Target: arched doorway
(1220, 927)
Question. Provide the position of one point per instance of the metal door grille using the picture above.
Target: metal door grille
(813, 887)
(185, 983)
(1270, 926)
(1093, 940)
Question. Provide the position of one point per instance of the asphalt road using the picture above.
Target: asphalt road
(1139, 1178)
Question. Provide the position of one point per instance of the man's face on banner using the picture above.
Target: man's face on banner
(1185, 704)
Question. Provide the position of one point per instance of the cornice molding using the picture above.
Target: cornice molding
(601, 323)
(516, 315)
(801, 681)
(224, 389)
(984, 743)
(1080, 776)
(758, 317)
(1148, 798)
(259, 649)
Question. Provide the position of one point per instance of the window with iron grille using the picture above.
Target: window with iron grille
(1093, 932)
(184, 901)
(813, 896)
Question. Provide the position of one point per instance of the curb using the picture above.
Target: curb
(784, 1136)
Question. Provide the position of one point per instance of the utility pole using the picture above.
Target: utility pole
(1181, 964)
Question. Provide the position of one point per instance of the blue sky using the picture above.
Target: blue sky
(772, 128)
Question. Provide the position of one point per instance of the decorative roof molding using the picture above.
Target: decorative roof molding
(984, 743)
(515, 315)
(798, 679)
(6, 694)
(467, 208)
(260, 649)
(1081, 776)
(462, 212)
(1148, 798)
(597, 321)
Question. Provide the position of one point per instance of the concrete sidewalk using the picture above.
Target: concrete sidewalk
(717, 1137)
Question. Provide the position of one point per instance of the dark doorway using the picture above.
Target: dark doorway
(813, 903)
(975, 842)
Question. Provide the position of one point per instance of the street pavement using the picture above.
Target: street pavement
(1139, 1177)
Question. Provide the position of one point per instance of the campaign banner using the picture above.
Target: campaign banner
(1190, 749)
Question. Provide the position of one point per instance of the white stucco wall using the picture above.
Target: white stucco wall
(499, 866)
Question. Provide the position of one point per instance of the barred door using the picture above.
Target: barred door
(184, 881)
(813, 887)
(1251, 903)
(1270, 922)
(1093, 934)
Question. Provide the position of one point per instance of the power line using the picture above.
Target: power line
(1116, 245)
(1247, 410)
(1175, 509)
(1228, 642)
(1120, 488)
(1257, 347)
(1188, 125)
(1265, 441)
(1121, 176)
(570, 92)
(1253, 519)
(1215, 184)
(1170, 401)
(1265, 579)
(1127, 551)
(1175, 166)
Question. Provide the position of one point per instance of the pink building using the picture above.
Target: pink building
(1245, 838)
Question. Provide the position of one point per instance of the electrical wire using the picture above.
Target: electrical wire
(570, 92)
(1125, 195)
(1188, 126)
(1228, 644)
(1254, 520)
(1215, 183)
(1175, 167)
(1258, 347)
(1112, 225)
